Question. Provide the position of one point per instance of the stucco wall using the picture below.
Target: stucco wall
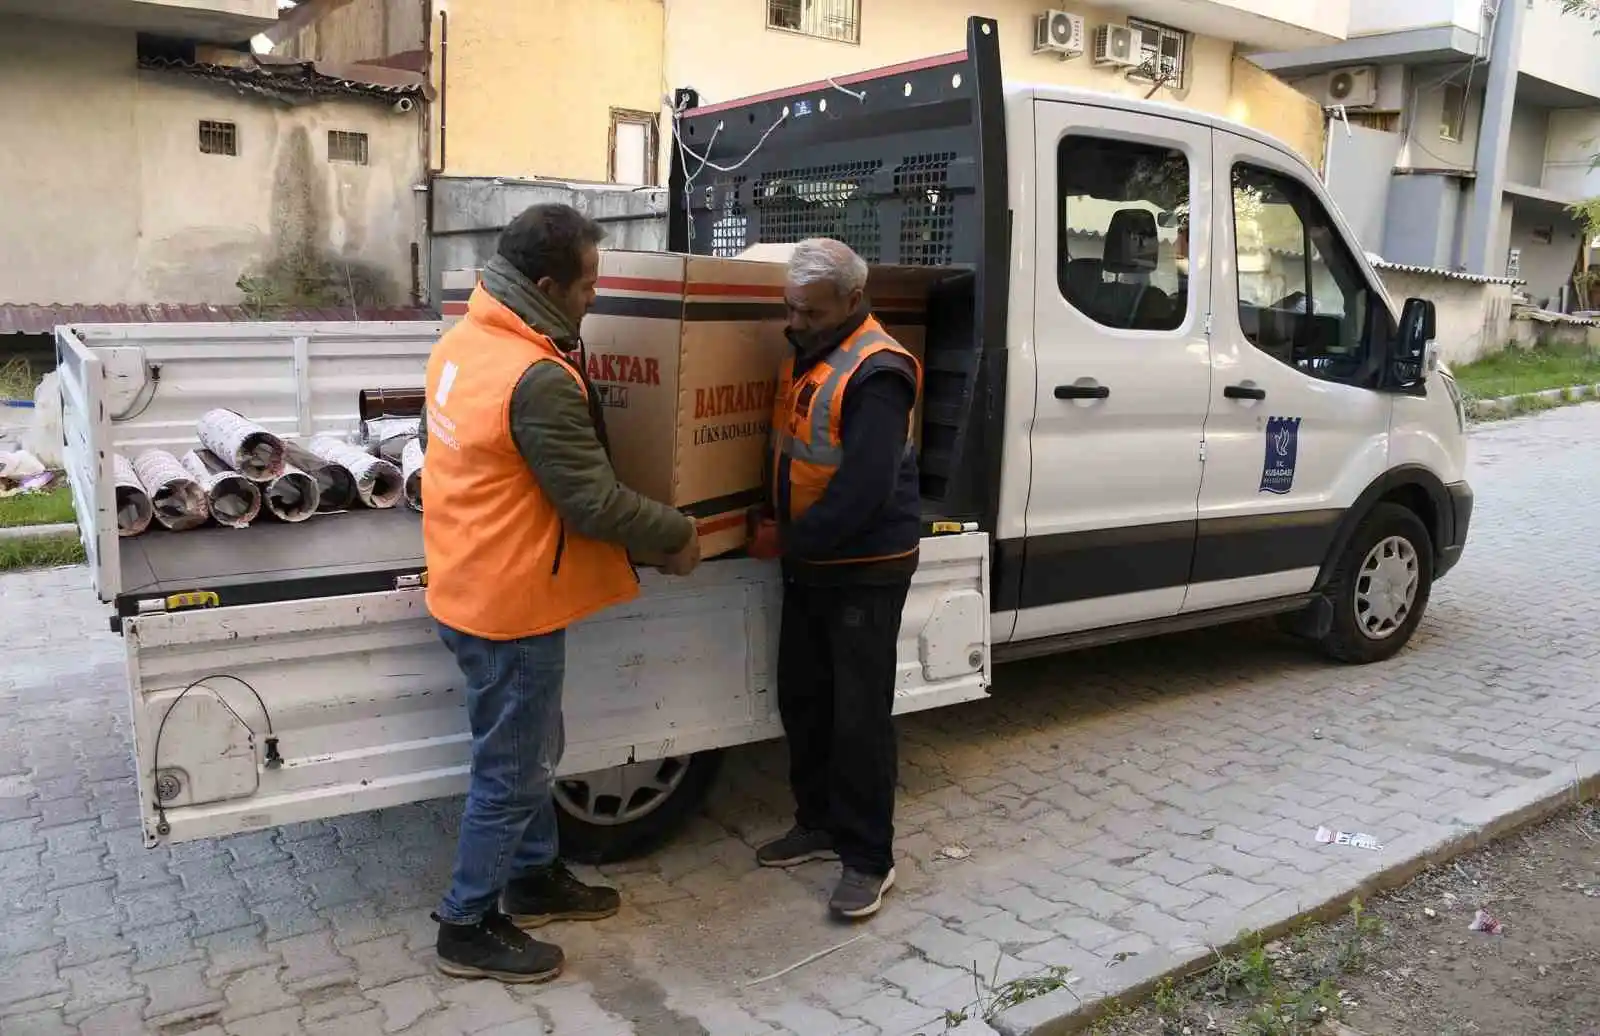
(1474, 319)
(68, 175)
(531, 84)
(724, 50)
(111, 200)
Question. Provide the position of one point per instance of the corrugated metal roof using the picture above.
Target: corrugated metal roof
(19, 319)
(290, 77)
(1449, 275)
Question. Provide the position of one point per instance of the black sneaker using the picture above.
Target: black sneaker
(495, 948)
(800, 845)
(555, 894)
(859, 895)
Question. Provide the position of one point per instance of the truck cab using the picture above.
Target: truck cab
(1163, 373)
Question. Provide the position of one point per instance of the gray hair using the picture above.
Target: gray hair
(822, 260)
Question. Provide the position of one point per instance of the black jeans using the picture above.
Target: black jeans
(836, 677)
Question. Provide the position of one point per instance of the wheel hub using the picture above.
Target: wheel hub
(1386, 588)
(621, 794)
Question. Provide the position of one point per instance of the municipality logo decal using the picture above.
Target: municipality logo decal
(1283, 447)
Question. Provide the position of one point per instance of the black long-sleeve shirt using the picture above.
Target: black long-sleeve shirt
(873, 426)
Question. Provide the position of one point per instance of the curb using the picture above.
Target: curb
(1507, 406)
(1325, 896)
(38, 532)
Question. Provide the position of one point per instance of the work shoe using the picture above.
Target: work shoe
(859, 895)
(800, 845)
(555, 894)
(495, 948)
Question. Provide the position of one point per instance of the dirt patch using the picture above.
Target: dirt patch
(1409, 963)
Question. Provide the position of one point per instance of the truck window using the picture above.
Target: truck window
(1302, 297)
(1123, 254)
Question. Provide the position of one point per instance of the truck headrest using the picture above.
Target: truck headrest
(1131, 242)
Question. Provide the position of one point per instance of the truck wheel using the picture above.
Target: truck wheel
(1381, 586)
(626, 811)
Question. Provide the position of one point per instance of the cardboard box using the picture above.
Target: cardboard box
(684, 351)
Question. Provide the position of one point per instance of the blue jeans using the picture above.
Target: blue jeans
(514, 705)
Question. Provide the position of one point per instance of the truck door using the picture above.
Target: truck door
(1121, 292)
(1296, 429)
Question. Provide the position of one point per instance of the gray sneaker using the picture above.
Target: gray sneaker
(859, 895)
(800, 845)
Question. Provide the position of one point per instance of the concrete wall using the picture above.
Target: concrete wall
(1525, 154)
(1368, 17)
(1422, 220)
(1561, 48)
(1424, 148)
(1574, 140)
(531, 83)
(1474, 319)
(111, 201)
(1546, 266)
(347, 31)
(470, 212)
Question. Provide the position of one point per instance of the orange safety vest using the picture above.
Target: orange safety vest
(501, 563)
(807, 412)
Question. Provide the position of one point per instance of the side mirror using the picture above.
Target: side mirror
(1408, 362)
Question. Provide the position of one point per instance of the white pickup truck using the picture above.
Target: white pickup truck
(1165, 390)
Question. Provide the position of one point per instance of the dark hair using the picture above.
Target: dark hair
(549, 241)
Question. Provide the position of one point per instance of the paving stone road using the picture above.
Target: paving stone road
(1113, 802)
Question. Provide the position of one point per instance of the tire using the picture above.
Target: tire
(679, 788)
(1368, 624)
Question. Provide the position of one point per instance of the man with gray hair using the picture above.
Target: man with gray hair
(846, 519)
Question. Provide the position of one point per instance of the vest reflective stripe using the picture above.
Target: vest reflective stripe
(809, 411)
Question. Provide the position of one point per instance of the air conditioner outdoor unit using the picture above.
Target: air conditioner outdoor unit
(1059, 32)
(1117, 45)
(1355, 87)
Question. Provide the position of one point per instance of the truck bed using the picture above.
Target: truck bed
(346, 544)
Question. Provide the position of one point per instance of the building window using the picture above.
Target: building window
(825, 19)
(1123, 255)
(1164, 52)
(633, 148)
(218, 138)
(344, 146)
(1452, 112)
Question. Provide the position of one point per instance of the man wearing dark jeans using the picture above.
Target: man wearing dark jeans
(847, 522)
(527, 531)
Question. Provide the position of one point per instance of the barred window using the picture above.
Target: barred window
(1164, 53)
(218, 138)
(345, 146)
(825, 19)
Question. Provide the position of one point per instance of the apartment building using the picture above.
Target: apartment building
(1461, 131)
(555, 89)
